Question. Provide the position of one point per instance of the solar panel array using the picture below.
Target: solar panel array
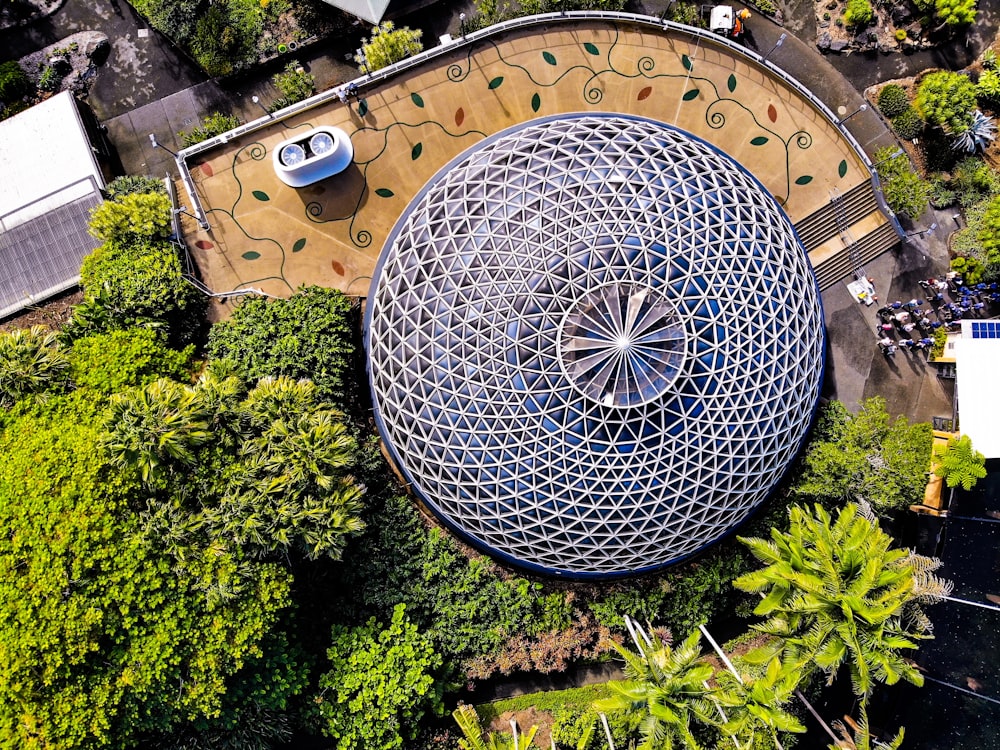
(43, 256)
(595, 344)
(985, 329)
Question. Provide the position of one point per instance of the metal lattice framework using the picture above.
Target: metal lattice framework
(595, 344)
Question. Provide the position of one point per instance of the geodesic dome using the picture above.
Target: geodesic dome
(595, 344)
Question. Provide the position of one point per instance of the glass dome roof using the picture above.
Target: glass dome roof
(595, 345)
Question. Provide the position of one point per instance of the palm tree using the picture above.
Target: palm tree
(668, 685)
(859, 736)
(474, 738)
(31, 360)
(156, 429)
(292, 485)
(836, 593)
(959, 463)
(754, 703)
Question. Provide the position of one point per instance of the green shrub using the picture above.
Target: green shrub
(908, 124)
(940, 342)
(989, 59)
(989, 232)
(973, 179)
(859, 13)
(14, 83)
(905, 191)
(294, 84)
(138, 283)
(970, 269)
(686, 13)
(956, 12)
(893, 101)
(210, 126)
(900, 35)
(988, 87)
(132, 217)
(119, 187)
(111, 362)
(310, 335)
(947, 100)
(50, 80)
(942, 196)
(388, 45)
(219, 45)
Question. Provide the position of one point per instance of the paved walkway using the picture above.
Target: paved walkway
(266, 234)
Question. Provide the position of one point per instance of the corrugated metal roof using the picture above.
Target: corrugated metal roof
(41, 257)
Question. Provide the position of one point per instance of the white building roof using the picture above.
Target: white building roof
(977, 359)
(367, 10)
(50, 183)
(45, 159)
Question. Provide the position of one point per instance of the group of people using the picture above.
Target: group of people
(911, 325)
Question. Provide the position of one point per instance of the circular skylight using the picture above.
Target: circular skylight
(321, 143)
(595, 345)
(292, 154)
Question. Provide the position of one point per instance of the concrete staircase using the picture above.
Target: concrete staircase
(842, 265)
(824, 223)
(833, 230)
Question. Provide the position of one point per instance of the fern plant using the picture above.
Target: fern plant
(980, 134)
(959, 463)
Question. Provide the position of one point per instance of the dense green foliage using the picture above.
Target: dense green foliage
(310, 335)
(908, 124)
(222, 36)
(989, 232)
(837, 594)
(286, 485)
(892, 100)
(959, 463)
(132, 217)
(136, 284)
(31, 362)
(905, 191)
(209, 127)
(104, 636)
(865, 457)
(380, 685)
(946, 99)
(859, 13)
(387, 45)
(955, 12)
(294, 83)
(118, 360)
(119, 187)
(988, 88)
(14, 82)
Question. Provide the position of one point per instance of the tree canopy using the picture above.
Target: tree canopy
(866, 456)
(310, 335)
(947, 100)
(836, 593)
(380, 684)
(103, 636)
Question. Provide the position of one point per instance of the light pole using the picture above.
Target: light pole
(781, 40)
(860, 109)
(461, 22)
(922, 232)
(256, 100)
(156, 144)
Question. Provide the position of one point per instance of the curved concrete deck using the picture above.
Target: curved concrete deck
(267, 235)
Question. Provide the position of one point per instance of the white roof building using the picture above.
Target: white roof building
(367, 10)
(51, 182)
(977, 360)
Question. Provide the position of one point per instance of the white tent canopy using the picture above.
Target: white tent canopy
(367, 10)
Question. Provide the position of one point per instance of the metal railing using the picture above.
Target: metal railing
(543, 21)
